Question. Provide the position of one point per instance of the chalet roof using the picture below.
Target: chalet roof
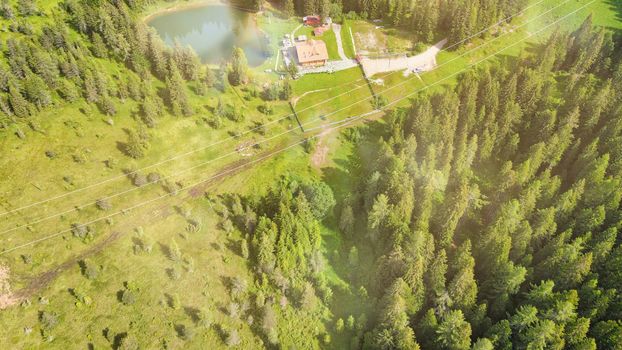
(311, 51)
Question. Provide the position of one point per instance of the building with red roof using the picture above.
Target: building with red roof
(312, 21)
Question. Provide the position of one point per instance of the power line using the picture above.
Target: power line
(181, 155)
(273, 137)
(344, 122)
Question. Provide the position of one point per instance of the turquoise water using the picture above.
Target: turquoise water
(213, 31)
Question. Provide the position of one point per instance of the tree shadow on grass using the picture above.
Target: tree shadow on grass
(165, 249)
(122, 146)
(170, 300)
(616, 5)
(193, 313)
(119, 295)
(234, 246)
(162, 93)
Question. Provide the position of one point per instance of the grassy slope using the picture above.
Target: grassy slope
(206, 247)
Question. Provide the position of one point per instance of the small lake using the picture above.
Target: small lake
(213, 31)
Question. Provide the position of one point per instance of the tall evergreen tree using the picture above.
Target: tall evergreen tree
(177, 98)
(19, 105)
(288, 8)
(239, 67)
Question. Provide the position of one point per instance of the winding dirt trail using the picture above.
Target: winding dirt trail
(320, 153)
(42, 280)
(297, 98)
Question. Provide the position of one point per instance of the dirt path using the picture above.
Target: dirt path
(296, 99)
(337, 30)
(42, 280)
(293, 33)
(320, 152)
(424, 61)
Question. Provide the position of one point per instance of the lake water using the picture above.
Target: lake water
(213, 31)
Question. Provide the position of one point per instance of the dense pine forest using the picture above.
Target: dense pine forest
(483, 214)
(51, 65)
(493, 209)
(492, 212)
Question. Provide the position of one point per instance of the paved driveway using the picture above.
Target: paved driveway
(329, 67)
(337, 30)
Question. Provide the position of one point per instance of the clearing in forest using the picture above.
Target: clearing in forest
(424, 61)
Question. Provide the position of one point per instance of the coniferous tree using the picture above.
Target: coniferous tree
(27, 7)
(91, 92)
(150, 111)
(68, 91)
(177, 98)
(288, 8)
(239, 67)
(156, 56)
(454, 332)
(18, 103)
(6, 10)
(309, 8)
(209, 79)
(37, 91)
(134, 146)
(99, 47)
(107, 105)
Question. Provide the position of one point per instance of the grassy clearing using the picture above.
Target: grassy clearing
(373, 39)
(333, 95)
(339, 173)
(331, 44)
